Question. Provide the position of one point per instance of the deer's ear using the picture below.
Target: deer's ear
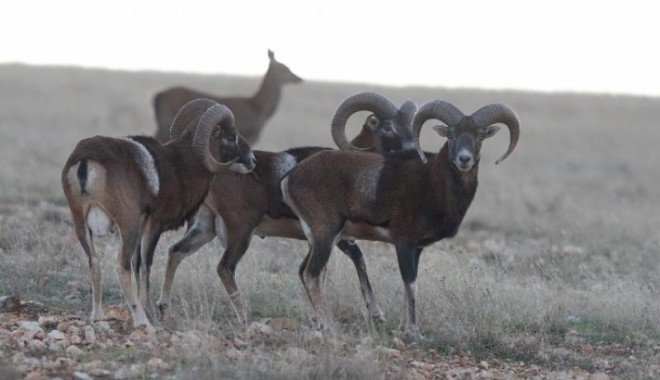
(271, 55)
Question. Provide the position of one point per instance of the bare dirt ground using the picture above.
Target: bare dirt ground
(553, 274)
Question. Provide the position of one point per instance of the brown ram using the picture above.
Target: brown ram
(239, 207)
(392, 198)
(145, 188)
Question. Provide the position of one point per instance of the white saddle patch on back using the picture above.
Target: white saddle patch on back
(283, 164)
(147, 166)
(99, 222)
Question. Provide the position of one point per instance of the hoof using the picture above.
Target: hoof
(409, 336)
(163, 311)
(378, 317)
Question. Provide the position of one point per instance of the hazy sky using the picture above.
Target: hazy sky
(572, 45)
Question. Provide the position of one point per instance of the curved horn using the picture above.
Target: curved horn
(189, 113)
(434, 109)
(214, 116)
(382, 106)
(499, 113)
(406, 113)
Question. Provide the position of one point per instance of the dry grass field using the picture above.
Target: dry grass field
(553, 274)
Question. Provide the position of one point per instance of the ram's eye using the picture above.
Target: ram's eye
(388, 131)
(373, 122)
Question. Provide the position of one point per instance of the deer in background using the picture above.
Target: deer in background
(251, 114)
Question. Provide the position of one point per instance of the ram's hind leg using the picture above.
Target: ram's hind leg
(130, 240)
(200, 233)
(79, 208)
(87, 242)
(352, 250)
(322, 240)
(150, 235)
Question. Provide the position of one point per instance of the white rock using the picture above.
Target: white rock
(30, 326)
(56, 335)
(81, 376)
(90, 335)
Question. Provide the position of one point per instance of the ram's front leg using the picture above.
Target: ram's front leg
(408, 257)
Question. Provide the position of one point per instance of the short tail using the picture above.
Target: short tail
(82, 175)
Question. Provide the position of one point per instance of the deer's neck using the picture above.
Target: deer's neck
(268, 96)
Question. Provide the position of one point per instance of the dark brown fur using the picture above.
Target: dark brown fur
(392, 198)
(252, 204)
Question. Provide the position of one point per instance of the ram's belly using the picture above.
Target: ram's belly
(365, 231)
(281, 227)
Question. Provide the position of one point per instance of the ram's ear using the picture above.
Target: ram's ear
(489, 131)
(441, 130)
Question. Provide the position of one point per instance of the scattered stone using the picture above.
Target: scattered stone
(73, 329)
(399, 344)
(295, 355)
(157, 364)
(104, 326)
(282, 325)
(256, 330)
(56, 335)
(99, 372)
(483, 365)
(49, 322)
(28, 330)
(81, 376)
(388, 353)
(37, 345)
(29, 326)
(422, 365)
(74, 339)
(90, 335)
(74, 352)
